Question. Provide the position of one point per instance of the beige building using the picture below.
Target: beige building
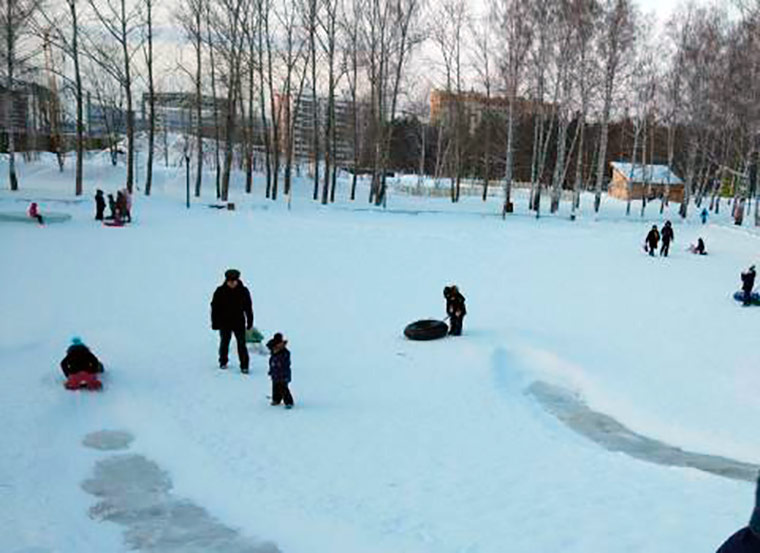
(650, 180)
(474, 106)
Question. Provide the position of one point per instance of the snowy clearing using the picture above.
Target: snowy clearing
(393, 445)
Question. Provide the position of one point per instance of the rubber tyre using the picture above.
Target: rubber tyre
(427, 329)
(754, 297)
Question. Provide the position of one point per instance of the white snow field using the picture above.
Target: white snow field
(393, 445)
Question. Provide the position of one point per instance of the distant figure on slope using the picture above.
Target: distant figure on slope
(746, 540)
(667, 237)
(455, 309)
(126, 205)
(232, 313)
(111, 207)
(279, 370)
(652, 239)
(699, 248)
(81, 367)
(34, 213)
(122, 210)
(703, 215)
(100, 205)
(748, 283)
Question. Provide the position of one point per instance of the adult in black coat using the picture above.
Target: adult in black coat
(100, 205)
(667, 237)
(652, 239)
(79, 358)
(746, 540)
(748, 283)
(232, 313)
(279, 370)
(455, 309)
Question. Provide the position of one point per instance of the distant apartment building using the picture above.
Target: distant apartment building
(475, 106)
(177, 111)
(302, 112)
(27, 110)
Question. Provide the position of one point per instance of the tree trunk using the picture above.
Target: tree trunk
(151, 101)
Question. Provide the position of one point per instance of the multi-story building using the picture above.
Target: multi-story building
(475, 106)
(177, 111)
(303, 112)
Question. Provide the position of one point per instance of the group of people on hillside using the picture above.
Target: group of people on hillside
(667, 236)
(654, 237)
(232, 315)
(120, 208)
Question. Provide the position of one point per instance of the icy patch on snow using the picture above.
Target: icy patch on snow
(614, 436)
(136, 493)
(108, 440)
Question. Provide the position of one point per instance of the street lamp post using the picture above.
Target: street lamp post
(187, 179)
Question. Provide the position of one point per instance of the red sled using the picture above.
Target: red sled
(85, 380)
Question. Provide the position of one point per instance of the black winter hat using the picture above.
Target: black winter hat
(276, 340)
(232, 274)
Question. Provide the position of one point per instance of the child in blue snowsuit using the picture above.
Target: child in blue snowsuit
(279, 370)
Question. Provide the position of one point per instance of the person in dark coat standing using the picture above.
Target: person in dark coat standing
(746, 540)
(667, 237)
(79, 358)
(279, 370)
(748, 283)
(111, 207)
(100, 205)
(653, 238)
(232, 313)
(455, 309)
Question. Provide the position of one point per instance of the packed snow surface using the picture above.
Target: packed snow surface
(393, 445)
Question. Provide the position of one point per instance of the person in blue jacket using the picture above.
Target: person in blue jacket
(279, 370)
(746, 540)
(703, 215)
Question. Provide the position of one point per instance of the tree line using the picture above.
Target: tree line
(564, 86)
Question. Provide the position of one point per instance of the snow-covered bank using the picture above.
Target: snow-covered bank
(393, 445)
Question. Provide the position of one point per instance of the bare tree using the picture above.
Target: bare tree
(119, 23)
(15, 24)
(190, 18)
(148, 51)
(615, 40)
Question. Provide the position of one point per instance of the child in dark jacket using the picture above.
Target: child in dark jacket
(279, 370)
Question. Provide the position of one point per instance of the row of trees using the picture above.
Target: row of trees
(568, 70)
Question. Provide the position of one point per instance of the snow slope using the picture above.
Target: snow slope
(393, 445)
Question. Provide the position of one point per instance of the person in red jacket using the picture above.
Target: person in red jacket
(34, 213)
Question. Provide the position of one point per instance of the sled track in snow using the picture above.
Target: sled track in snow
(134, 492)
(614, 436)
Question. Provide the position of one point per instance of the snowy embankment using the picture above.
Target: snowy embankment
(393, 445)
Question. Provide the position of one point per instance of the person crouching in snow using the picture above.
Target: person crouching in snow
(279, 370)
(455, 309)
(232, 313)
(699, 248)
(34, 213)
(653, 238)
(748, 283)
(746, 540)
(81, 367)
